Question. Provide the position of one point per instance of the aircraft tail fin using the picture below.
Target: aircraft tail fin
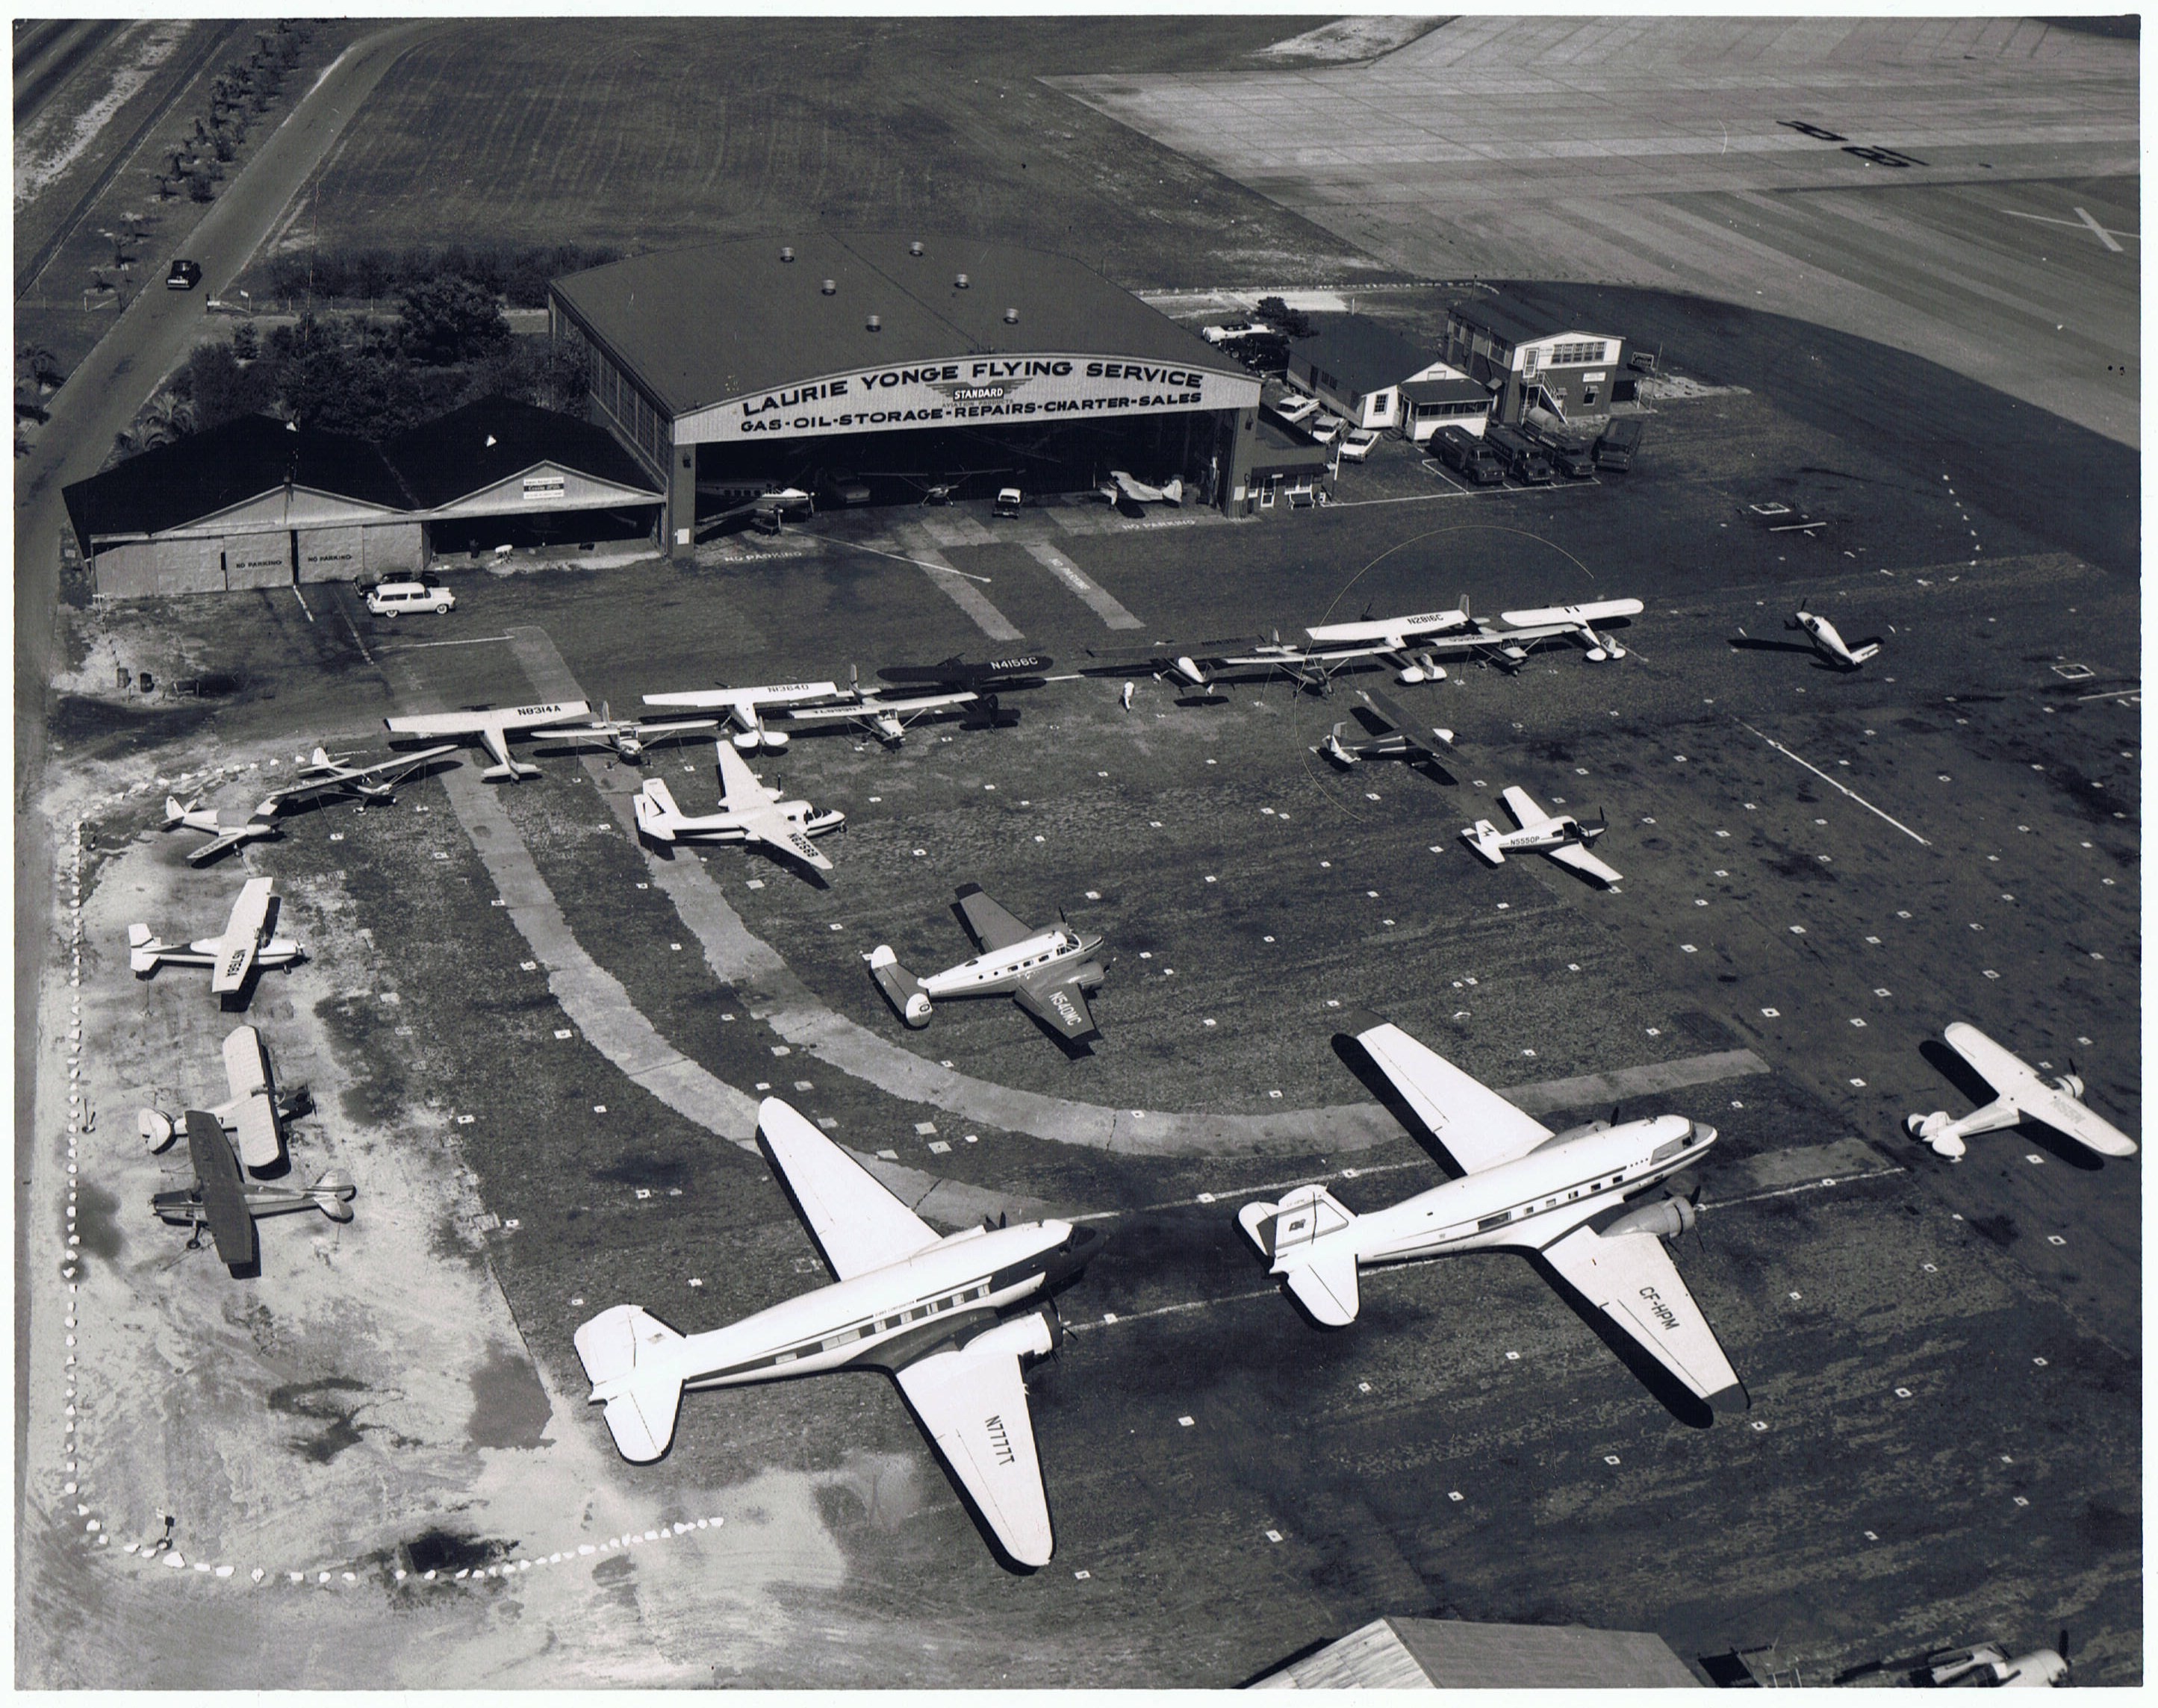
(657, 814)
(1483, 837)
(174, 812)
(625, 1351)
(902, 988)
(1320, 1272)
(142, 948)
(333, 1194)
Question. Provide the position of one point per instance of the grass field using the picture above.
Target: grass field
(658, 132)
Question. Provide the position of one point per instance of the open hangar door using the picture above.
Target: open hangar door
(460, 536)
(901, 467)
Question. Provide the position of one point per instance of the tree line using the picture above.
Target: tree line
(517, 273)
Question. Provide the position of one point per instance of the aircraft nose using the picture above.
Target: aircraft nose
(1704, 1135)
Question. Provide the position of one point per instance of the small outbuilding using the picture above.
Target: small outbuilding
(1530, 359)
(1428, 404)
(1459, 1655)
(1357, 367)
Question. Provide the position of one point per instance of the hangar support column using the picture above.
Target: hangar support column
(1242, 428)
(680, 516)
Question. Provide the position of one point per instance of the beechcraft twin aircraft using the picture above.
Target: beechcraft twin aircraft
(1564, 839)
(749, 812)
(927, 1309)
(1048, 969)
(245, 943)
(493, 725)
(2023, 1096)
(227, 1204)
(746, 706)
(1561, 1197)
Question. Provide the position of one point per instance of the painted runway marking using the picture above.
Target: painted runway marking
(1096, 598)
(423, 646)
(1826, 778)
(2104, 237)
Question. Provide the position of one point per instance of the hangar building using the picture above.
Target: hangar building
(869, 363)
(256, 503)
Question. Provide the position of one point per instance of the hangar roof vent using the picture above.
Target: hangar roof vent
(831, 288)
(876, 323)
(914, 248)
(960, 280)
(1011, 317)
(787, 253)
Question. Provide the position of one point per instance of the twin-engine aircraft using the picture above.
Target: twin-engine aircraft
(253, 1113)
(260, 823)
(245, 943)
(626, 737)
(1404, 739)
(2023, 1096)
(1564, 839)
(746, 707)
(1562, 1197)
(227, 1204)
(1048, 969)
(492, 725)
(749, 812)
(1830, 645)
(929, 1310)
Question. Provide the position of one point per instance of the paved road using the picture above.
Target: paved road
(48, 54)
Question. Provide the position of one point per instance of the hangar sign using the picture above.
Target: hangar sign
(970, 390)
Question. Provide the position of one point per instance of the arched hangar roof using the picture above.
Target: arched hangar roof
(722, 320)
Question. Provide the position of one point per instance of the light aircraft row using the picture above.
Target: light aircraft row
(321, 775)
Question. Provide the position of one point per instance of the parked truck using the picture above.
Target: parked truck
(1615, 448)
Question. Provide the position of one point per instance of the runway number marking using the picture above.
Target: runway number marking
(1826, 778)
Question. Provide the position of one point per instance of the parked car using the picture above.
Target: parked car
(1524, 460)
(183, 275)
(392, 598)
(1295, 408)
(1235, 329)
(1010, 501)
(1466, 454)
(1326, 428)
(1358, 445)
(1615, 449)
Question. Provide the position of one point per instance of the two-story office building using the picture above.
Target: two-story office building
(1526, 359)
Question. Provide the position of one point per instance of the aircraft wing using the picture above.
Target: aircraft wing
(403, 765)
(243, 936)
(1526, 812)
(1060, 1002)
(975, 1410)
(990, 925)
(857, 1224)
(870, 706)
(495, 719)
(739, 787)
(1632, 1280)
(762, 821)
(1410, 731)
(218, 843)
(1559, 619)
(2076, 1118)
(217, 1178)
(251, 1111)
(1573, 855)
(1480, 1128)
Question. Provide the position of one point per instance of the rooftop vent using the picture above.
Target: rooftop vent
(876, 323)
(960, 280)
(1011, 317)
(914, 248)
(786, 254)
(831, 288)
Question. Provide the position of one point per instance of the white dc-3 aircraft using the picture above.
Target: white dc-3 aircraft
(245, 942)
(1404, 739)
(884, 716)
(493, 725)
(322, 775)
(262, 823)
(746, 706)
(1522, 1188)
(625, 736)
(749, 812)
(1564, 839)
(1830, 645)
(1048, 969)
(2023, 1096)
(928, 1309)
(254, 1114)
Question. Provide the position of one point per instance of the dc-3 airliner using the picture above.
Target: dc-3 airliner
(749, 812)
(1564, 839)
(930, 1310)
(1048, 969)
(245, 943)
(493, 725)
(1560, 1197)
(2023, 1096)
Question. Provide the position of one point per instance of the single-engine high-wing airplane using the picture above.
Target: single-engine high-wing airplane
(493, 725)
(956, 672)
(749, 812)
(227, 1204)
(262, 823)
(1048, 969)
(2023, 1096)
(1404, 739)
(745, 706)
(1830, 645)
(322, 775)
(1393, 639)
(625, 736)
(254, 1113)
(1565, 839)
(1990, 1664)
(245, 942)
(884, 716)
(930, 1311)
(1562, 1197)
(1121, 486)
